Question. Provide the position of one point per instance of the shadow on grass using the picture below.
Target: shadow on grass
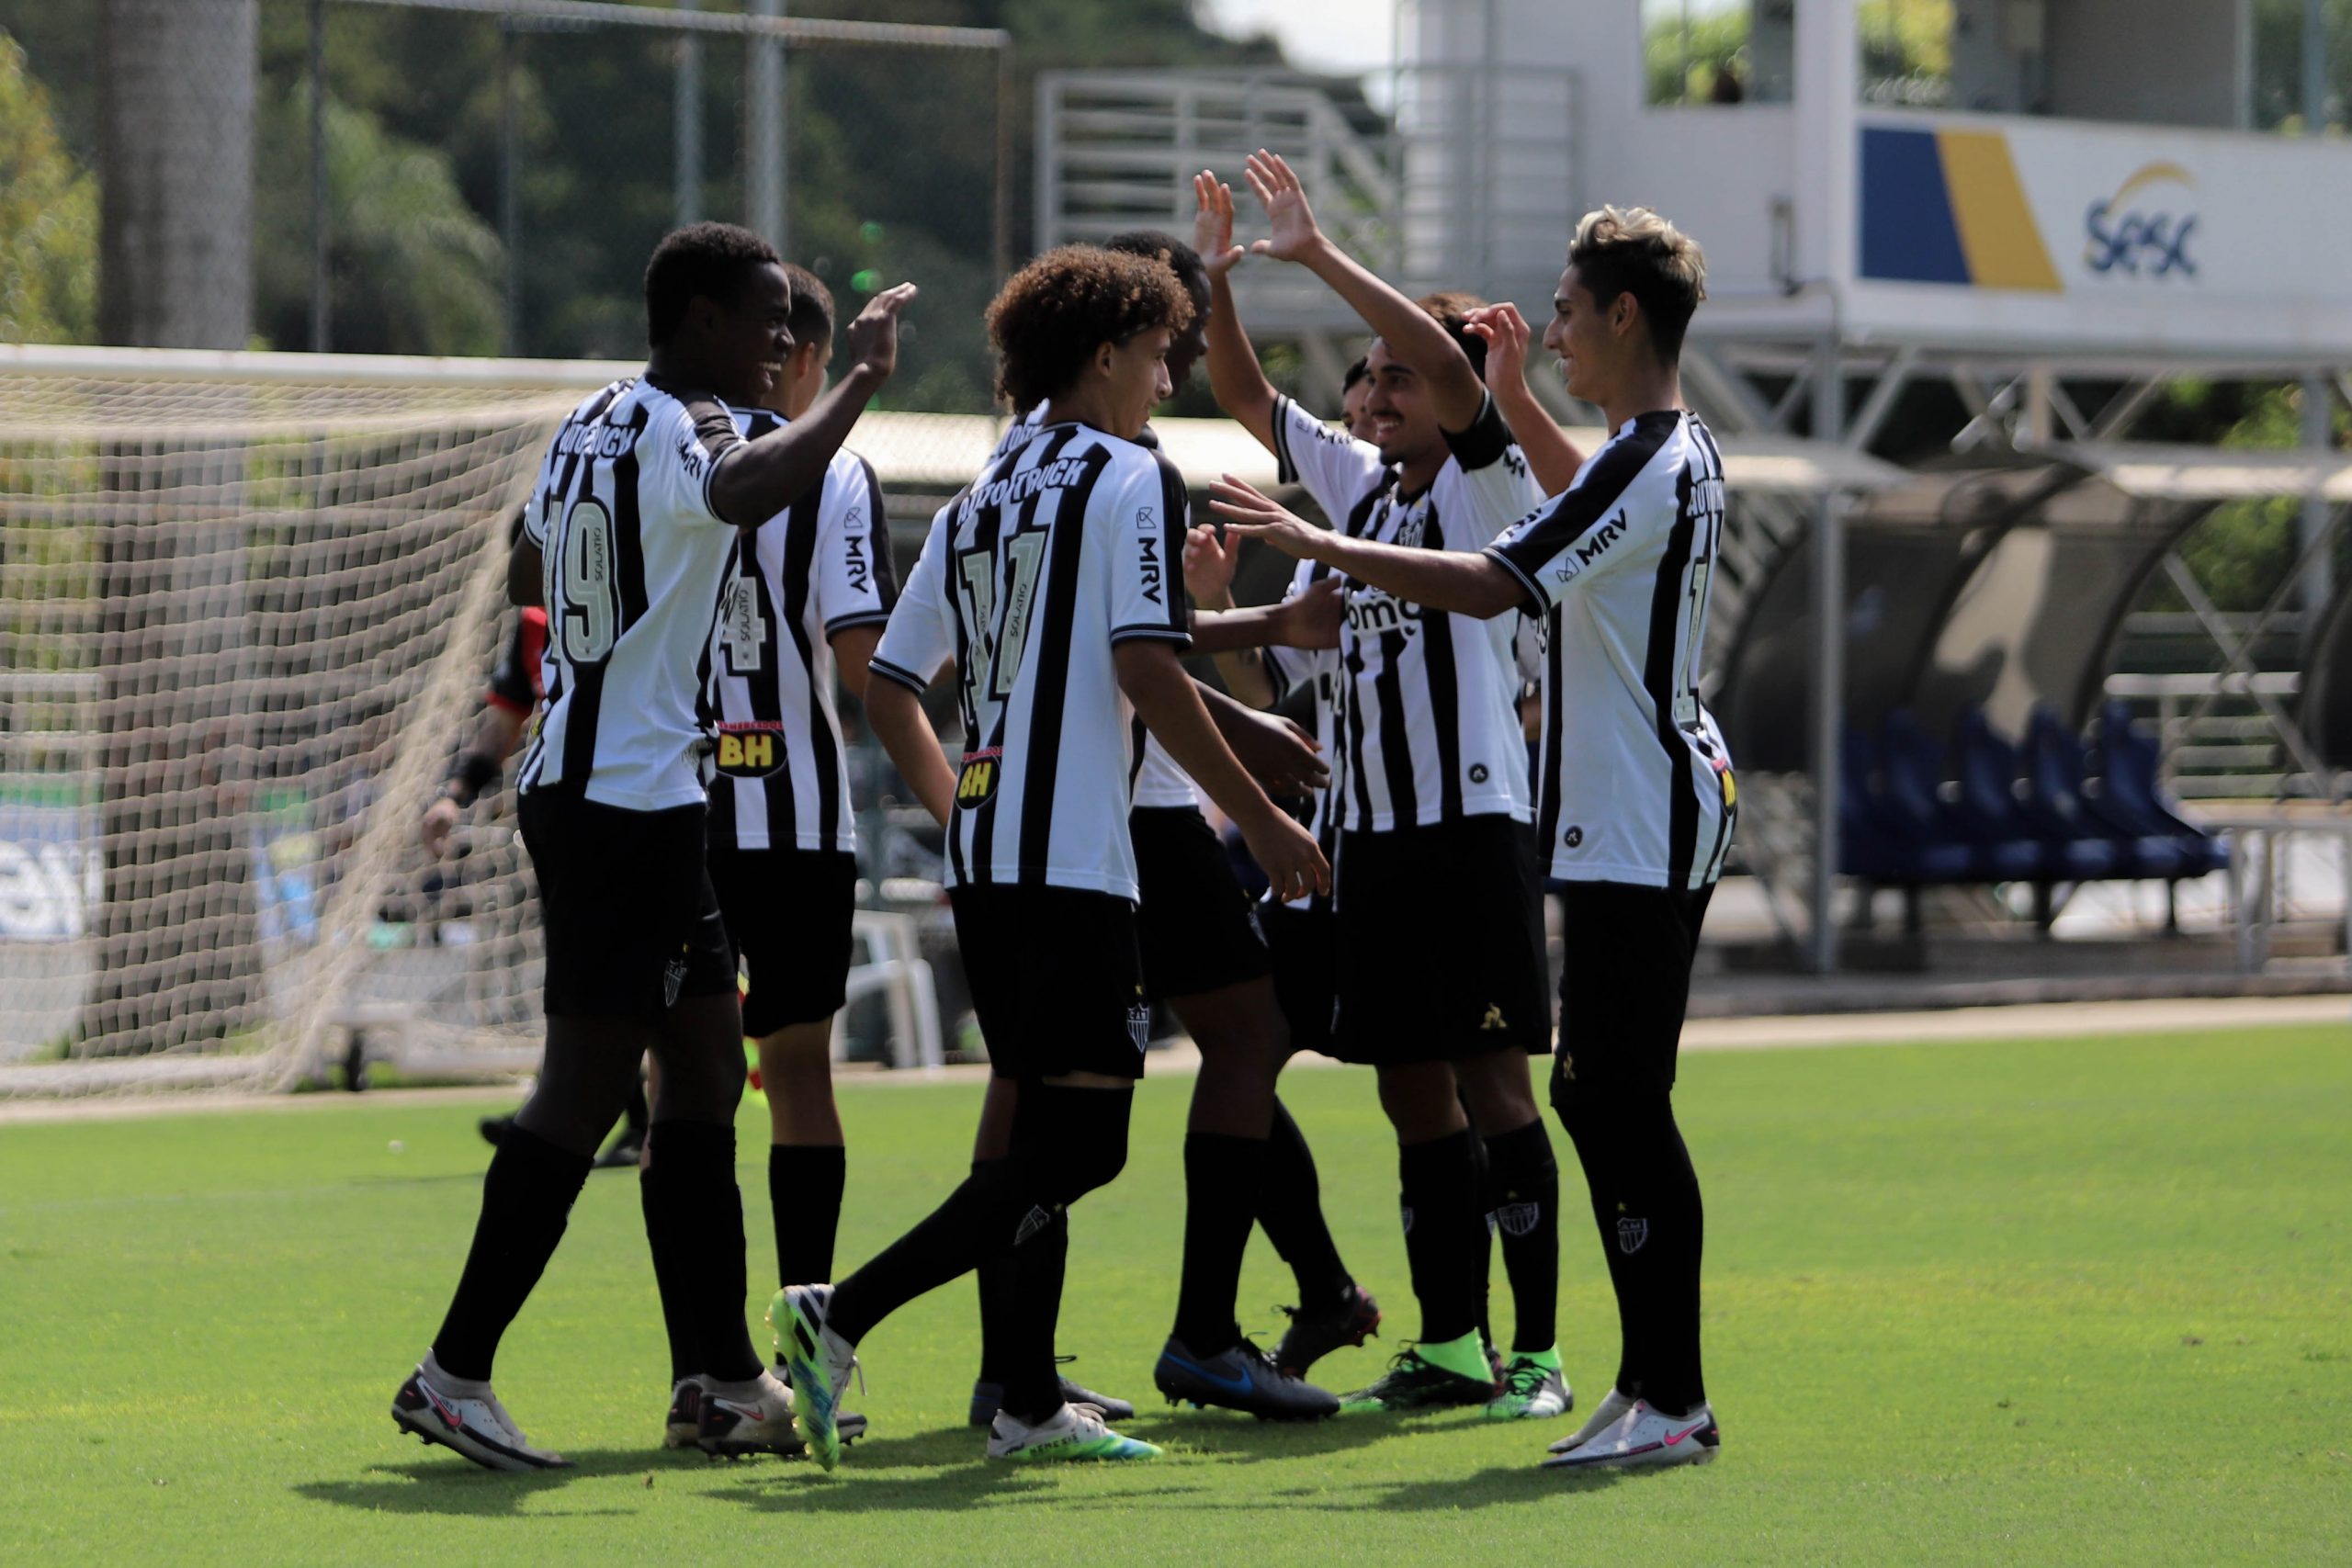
(446, 1483)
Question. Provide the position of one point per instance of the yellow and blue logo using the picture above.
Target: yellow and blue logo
(1944, 205)
(2129, 233)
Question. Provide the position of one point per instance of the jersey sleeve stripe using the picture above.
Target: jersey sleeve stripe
(1534, 595)
(906, 677)
(1575, 512)
(856, 619)
(1151, 632)
(1286, 470)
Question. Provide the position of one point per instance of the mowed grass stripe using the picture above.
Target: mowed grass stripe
(2073, 1301)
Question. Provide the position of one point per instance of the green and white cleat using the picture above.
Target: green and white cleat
(1075, 1433)
(1533, 1388)
(820, 1361)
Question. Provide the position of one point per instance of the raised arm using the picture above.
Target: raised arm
(1410, 333)
(1235, 375)
(759, 479)
(1552, 457)
(1458, 580)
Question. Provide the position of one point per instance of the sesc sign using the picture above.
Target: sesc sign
(2131, 232)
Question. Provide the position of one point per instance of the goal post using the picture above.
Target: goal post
(247, 605)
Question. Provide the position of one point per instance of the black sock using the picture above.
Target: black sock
(805, 1182)
(1036, 1264)
(1444, 1233)
(1645, 1205)
(527, 1196)
(1289, 1211)
(693, 1222)
(978, 1218)
(999, 1303)
(1222, 1178)
(1066, 1142)
(1485, 1276)
(1523, 1187)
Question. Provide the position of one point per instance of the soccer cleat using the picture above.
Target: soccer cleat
(684, 1420)
(988, 1396)
(1645, 1437)
(730, 1427)
(1075, 1432)
(469, 1418)
(1348, 1319)
(820, 1361)
(1607, 1413)
(1243, 1378)
(1533, 1388)
(1413, 1383)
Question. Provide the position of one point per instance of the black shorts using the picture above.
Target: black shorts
(1056, 979)
(1193, 922)
(632, 923)
(1440, 943)
(1301, 944)
(788, 914)
(1625, 987)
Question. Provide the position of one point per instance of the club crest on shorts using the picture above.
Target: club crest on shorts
(1139, 1026)
(749, 750)
(1519, 1219)
(975, 784)
(673, 977)
(1631, 1235)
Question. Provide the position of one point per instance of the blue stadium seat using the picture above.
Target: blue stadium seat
(2055, 774)
(2128, 793)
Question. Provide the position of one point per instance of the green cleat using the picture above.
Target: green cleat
(1413, 1382)
(1533, 1388)
(1074, 1433)
(820, 1361)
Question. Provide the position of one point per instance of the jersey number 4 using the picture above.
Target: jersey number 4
(998, 643)
(578, 589)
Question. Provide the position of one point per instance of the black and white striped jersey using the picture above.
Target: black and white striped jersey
(1634, 781)
(1428, 725)
(1157, 780)
(1059, 551)
(633, 557)
(1288, 669)
(778, 776)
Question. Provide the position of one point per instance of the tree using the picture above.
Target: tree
(48, 219)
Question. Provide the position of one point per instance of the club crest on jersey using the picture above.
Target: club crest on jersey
(751, 751)
(977, 784)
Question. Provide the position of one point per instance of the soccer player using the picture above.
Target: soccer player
(627, 538)
(1244, 1154)
(1637, 800)
(806, 598)
(1050, 585)
(1445, 999)
(513, 695)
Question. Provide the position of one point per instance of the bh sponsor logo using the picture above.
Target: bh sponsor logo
(2144, 229)
(751, 751)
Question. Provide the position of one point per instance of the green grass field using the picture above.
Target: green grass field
(2027, 1301)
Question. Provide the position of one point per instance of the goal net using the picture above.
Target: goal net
(248, 605)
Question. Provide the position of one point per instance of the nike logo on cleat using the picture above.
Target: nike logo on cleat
(1241, 1387)
(1674, 1438)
